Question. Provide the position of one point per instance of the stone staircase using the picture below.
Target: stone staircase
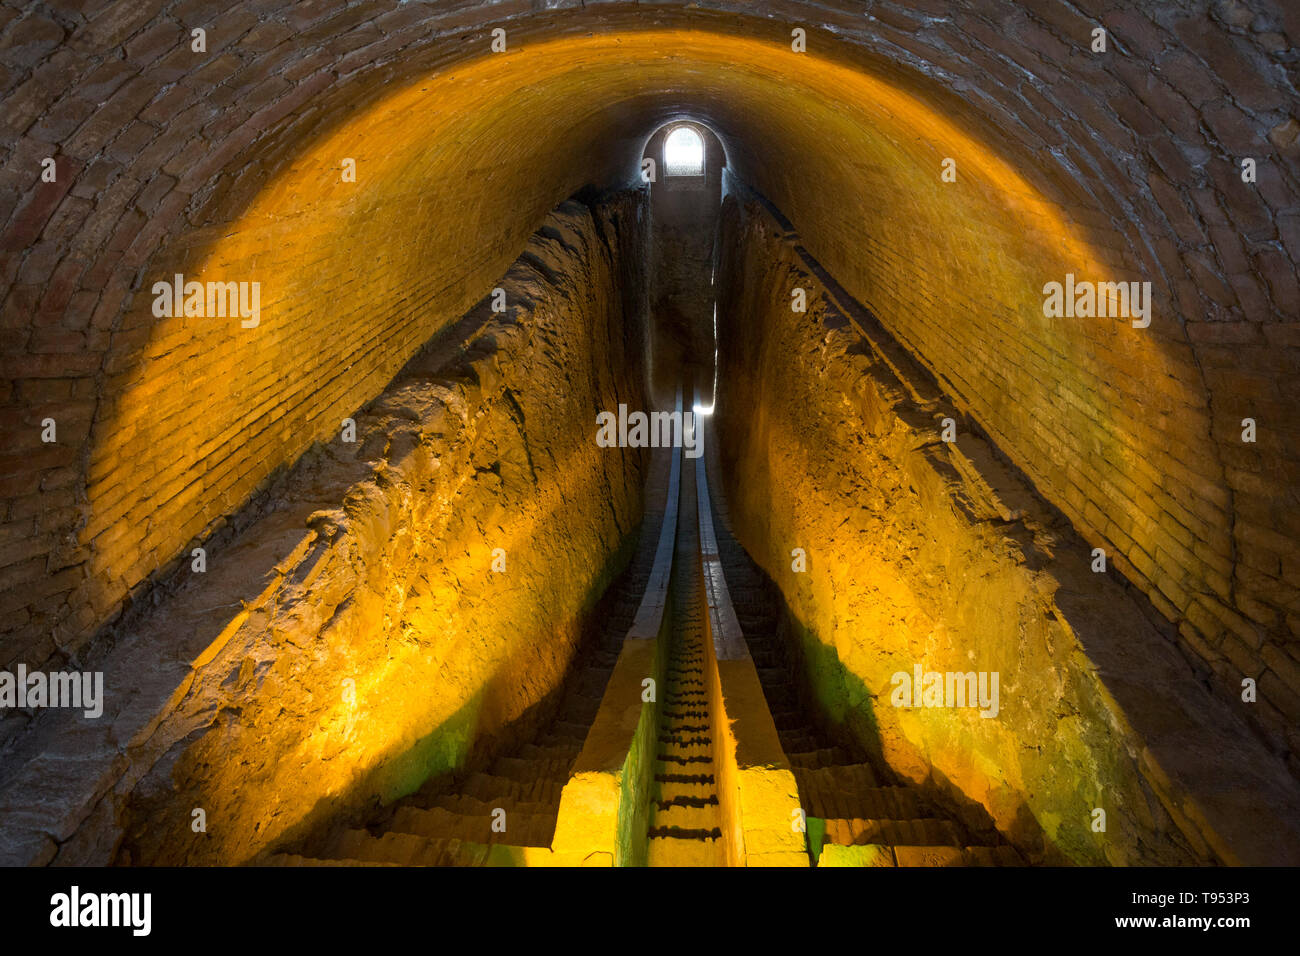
(685, 823)
(857, 813)
(504, 814)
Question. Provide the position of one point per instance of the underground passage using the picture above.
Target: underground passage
(523, 434)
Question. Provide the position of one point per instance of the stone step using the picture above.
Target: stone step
(568, 750)
(489, 787)
(886, 803)
(797, 741)
(874, 854)
(846, 792)
(521, 829)
(527, 770)
(670, 851)
(955, 856)
(921, 831)
(466, 805)
(405, 849)
(814, 759)
(842, 778)
(686, 795)
(686, 817)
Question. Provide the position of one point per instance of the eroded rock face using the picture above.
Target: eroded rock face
(1122, 166)
(439, 591)
(920, 552)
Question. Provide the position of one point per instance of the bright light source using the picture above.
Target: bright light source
(705, 411)
(683, 153)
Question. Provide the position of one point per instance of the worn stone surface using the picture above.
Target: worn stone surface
(921, 552)
(336, 654)
(227, 164)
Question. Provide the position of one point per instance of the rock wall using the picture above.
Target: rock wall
(921, 552)
(450, 559)
(229, 164)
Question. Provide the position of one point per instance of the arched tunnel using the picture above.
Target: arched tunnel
(677, 434)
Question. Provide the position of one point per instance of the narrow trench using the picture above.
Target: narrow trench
(504, 810)
(686, 823)
(514, 801)
(498, 814)
(341, 524)
(850, 798)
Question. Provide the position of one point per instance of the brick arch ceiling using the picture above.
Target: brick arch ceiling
(459, 153)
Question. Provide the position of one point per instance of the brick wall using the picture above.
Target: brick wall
(918, 552)
(226, 164)
(1135, 433)
(365, 634)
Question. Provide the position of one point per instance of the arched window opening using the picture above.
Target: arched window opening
(683, 153)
